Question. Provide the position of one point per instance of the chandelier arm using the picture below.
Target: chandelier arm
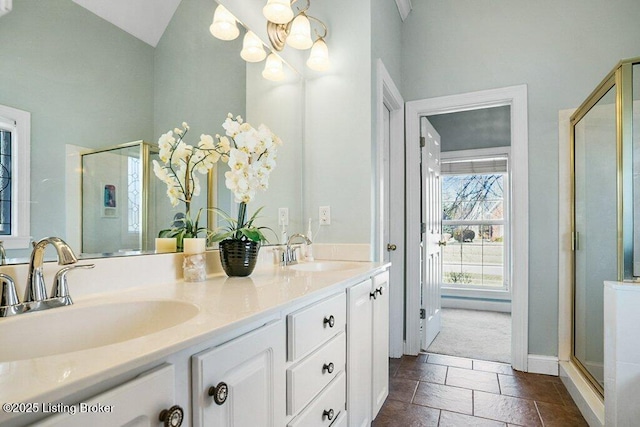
(302, 10)
(315, 30)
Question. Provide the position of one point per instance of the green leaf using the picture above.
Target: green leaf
(251, 234)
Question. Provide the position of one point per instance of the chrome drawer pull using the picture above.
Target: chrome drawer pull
(328, 368)
(328, 414)
(331, 321)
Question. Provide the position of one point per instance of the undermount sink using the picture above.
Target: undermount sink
(326, 266)
(74, 328)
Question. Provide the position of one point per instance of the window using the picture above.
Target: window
(475, 223)
(134, 193)
(15, 128)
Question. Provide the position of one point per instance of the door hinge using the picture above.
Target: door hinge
(423, 313)
(574, 240)
(423, 142)
(423, 227)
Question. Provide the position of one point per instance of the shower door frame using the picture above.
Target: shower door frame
(620, 78)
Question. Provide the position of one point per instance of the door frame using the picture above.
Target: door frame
(516, 98)
(387, 94)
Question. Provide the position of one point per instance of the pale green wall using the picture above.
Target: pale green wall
(85, 83)
(337, 166)
(198, 79)
(561, 50)
(386, 39)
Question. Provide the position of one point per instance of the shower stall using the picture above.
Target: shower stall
(605, 169)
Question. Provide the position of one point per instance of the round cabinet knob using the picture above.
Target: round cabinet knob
(172, 417)
(328, 368)
(331, 321)
(391, 247)
(219, 393)
(328, 414)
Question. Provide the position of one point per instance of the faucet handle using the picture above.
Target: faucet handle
(8, 297)
(60, 285)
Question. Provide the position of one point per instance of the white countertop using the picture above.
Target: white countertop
(225, 304)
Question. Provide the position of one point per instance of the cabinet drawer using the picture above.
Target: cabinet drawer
(332, 399)
(308, 328)
(138, 402)
(311, 375)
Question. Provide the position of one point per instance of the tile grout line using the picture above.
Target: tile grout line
(535, 403)
(415, 390)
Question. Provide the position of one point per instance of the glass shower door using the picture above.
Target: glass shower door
(595, 228)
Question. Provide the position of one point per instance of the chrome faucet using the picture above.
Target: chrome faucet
(289, 254)
(36, 290)
(35, 296)
(3, 254)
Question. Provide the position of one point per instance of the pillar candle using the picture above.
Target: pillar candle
(166, 244)
(194, 245)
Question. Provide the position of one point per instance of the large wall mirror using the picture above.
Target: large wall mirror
(89, 85)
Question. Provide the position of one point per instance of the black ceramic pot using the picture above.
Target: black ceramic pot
(238, 257)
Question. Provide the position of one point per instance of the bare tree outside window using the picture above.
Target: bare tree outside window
(473, 226)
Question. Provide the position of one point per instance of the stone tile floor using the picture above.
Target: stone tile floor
(448, 391)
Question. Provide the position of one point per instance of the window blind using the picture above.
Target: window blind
(475, 166)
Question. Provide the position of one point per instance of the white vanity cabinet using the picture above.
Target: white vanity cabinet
(241, 382)
(138, 402)
(316, 379)
(319, 361)
(367, 349)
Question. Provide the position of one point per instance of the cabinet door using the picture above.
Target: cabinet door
(359, 341)
(380, 356)
(251, 368)
(137, 403)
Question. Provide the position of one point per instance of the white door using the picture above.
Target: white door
(380, 356)
(432, 231)
(386, 186)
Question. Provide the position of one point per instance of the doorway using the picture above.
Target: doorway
(516, 98)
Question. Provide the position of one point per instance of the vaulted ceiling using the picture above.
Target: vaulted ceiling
(144, 19)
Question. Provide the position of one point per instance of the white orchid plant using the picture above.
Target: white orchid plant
(251, 159)
(250, 154)
(181, 164)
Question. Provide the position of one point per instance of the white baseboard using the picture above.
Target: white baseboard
(588, 401)
(547, 365)
(473, 304)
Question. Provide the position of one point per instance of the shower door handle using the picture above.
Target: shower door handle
(575, 241)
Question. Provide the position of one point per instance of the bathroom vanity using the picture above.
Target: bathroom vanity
(289, 346)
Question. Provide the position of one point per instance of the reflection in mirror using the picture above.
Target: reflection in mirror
(115, 199)
(90, 85)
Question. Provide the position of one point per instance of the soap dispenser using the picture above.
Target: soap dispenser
(308, 255)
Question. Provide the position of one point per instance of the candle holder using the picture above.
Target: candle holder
(195, 260)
